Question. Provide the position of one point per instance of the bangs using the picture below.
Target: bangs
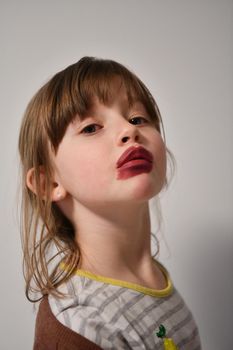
(73, 92)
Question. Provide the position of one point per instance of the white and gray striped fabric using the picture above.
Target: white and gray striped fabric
(116, 317)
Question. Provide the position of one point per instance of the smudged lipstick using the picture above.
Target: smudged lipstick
(133, 161)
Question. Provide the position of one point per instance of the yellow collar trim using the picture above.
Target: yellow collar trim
(139, 288)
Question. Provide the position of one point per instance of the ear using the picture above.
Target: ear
(58, 191)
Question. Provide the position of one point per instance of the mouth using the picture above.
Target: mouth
(134, 161)
(135, 156)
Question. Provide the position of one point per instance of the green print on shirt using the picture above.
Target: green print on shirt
(167, 342)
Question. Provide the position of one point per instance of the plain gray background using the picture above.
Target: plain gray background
(183, 51)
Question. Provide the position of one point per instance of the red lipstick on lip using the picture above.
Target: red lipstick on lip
(134, 153)
(133, 161)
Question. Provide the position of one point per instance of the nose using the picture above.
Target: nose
(128, 133)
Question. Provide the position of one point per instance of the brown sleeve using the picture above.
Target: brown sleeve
(50, 334)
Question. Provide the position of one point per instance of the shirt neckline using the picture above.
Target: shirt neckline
(134, 286)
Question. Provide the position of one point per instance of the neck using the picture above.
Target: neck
(114, 242)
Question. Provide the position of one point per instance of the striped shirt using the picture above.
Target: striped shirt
(116, 314)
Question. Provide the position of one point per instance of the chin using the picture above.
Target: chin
(144, 188)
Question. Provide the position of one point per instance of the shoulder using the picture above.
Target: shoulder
(50, 334)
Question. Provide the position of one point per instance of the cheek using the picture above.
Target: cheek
(160, 155)
(84, 171)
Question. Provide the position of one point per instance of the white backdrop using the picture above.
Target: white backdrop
(183, 51)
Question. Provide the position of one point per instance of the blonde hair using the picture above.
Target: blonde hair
(42, 224)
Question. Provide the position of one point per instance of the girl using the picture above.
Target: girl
(92, 157)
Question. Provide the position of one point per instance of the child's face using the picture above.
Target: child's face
(87, 155)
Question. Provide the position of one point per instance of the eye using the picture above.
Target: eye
(89, 129)
(138, 119)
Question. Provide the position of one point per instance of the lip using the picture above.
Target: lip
(133, 153)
